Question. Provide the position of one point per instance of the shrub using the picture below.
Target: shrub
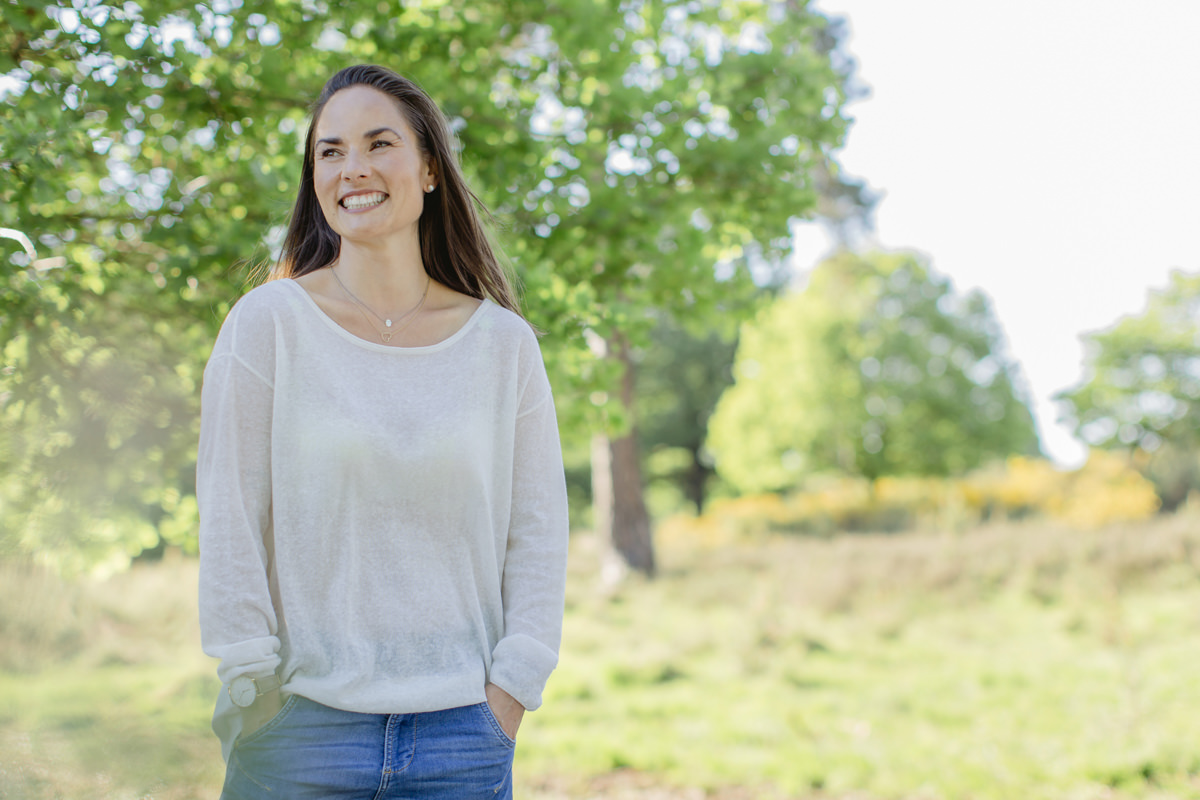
(1106, 490)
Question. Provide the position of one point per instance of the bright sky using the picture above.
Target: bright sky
(1044, 151)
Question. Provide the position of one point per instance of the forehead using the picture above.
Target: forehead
(357, 109)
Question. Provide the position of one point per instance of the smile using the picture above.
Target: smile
(359, 201)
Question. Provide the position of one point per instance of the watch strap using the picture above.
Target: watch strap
(267, 684)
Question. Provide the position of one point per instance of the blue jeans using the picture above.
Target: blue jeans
(312, 751)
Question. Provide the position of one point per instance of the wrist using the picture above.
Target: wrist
(244, 690)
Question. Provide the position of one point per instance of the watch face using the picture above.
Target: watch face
(242, 691)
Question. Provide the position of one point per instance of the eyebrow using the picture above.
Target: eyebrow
(368, 135)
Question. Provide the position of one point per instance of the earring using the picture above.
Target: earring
(429, 188)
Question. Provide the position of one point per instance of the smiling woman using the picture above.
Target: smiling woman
(383, 521)
(371, 179)
(380, 182)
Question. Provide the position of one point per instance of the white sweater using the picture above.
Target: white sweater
(384, 527)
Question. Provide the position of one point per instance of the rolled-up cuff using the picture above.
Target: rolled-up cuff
(521, 665)
(253, 657)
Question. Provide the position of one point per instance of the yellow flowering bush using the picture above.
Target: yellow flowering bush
(1106, 490)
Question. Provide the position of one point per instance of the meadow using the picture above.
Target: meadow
(1007, 661)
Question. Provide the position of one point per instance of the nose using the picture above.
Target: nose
(355, 166)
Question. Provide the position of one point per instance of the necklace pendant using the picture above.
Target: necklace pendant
(387, 337)
(387, 322)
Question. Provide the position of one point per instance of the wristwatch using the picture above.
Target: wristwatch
(243, 689)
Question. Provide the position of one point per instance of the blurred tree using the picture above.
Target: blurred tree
(681, 375)
(683, 369)
(1142, 390)
(147, 150)
(875, 368)
(693, 146)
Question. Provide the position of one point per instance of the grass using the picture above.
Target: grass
(1009, 662)
(104, 692)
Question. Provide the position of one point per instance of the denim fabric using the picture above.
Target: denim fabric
(312, 751)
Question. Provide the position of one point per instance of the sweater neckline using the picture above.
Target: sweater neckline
(383, 348)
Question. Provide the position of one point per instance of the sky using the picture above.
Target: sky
(1046, 152)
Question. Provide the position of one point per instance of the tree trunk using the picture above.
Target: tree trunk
(619, 508)
(697, 481)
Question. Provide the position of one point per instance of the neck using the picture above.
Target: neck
(387, 278)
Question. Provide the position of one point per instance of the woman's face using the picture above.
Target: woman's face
(369, 172)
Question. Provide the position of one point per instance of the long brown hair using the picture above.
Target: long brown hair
(455, 247)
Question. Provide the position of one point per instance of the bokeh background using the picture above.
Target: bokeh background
(875, 337)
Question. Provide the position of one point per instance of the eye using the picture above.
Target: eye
(328, 152)
(378, 143)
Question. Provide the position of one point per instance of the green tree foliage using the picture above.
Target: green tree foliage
(150, 152)
(876, 368)
(703, 138)
(681, 376)
(1142, 390)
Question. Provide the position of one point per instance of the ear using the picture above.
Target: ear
(429, 179)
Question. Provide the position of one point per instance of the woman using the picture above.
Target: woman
(383, 520)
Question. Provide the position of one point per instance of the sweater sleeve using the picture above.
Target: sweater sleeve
(535, 562)
(233, 489)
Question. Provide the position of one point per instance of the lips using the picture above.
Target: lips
(356, 202)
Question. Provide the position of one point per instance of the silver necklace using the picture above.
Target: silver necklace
(385, 335)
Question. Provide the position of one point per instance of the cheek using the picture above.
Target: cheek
(326, 192)
(321, 178)
(325, 187)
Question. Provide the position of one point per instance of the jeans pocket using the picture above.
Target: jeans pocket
(270, 725)
(494, 723)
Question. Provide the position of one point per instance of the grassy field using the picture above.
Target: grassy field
(1008, 662)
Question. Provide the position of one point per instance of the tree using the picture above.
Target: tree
(681, 376)
(694, 146)
(1142, 389)
(875, 368)
(148, 152)
(627, 148)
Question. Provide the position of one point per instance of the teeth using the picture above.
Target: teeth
(363, 200)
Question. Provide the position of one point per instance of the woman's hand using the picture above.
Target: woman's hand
(261, 711)
(507, 711)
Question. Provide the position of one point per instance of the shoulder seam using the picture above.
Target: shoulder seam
(538, 405)
(266, 382)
